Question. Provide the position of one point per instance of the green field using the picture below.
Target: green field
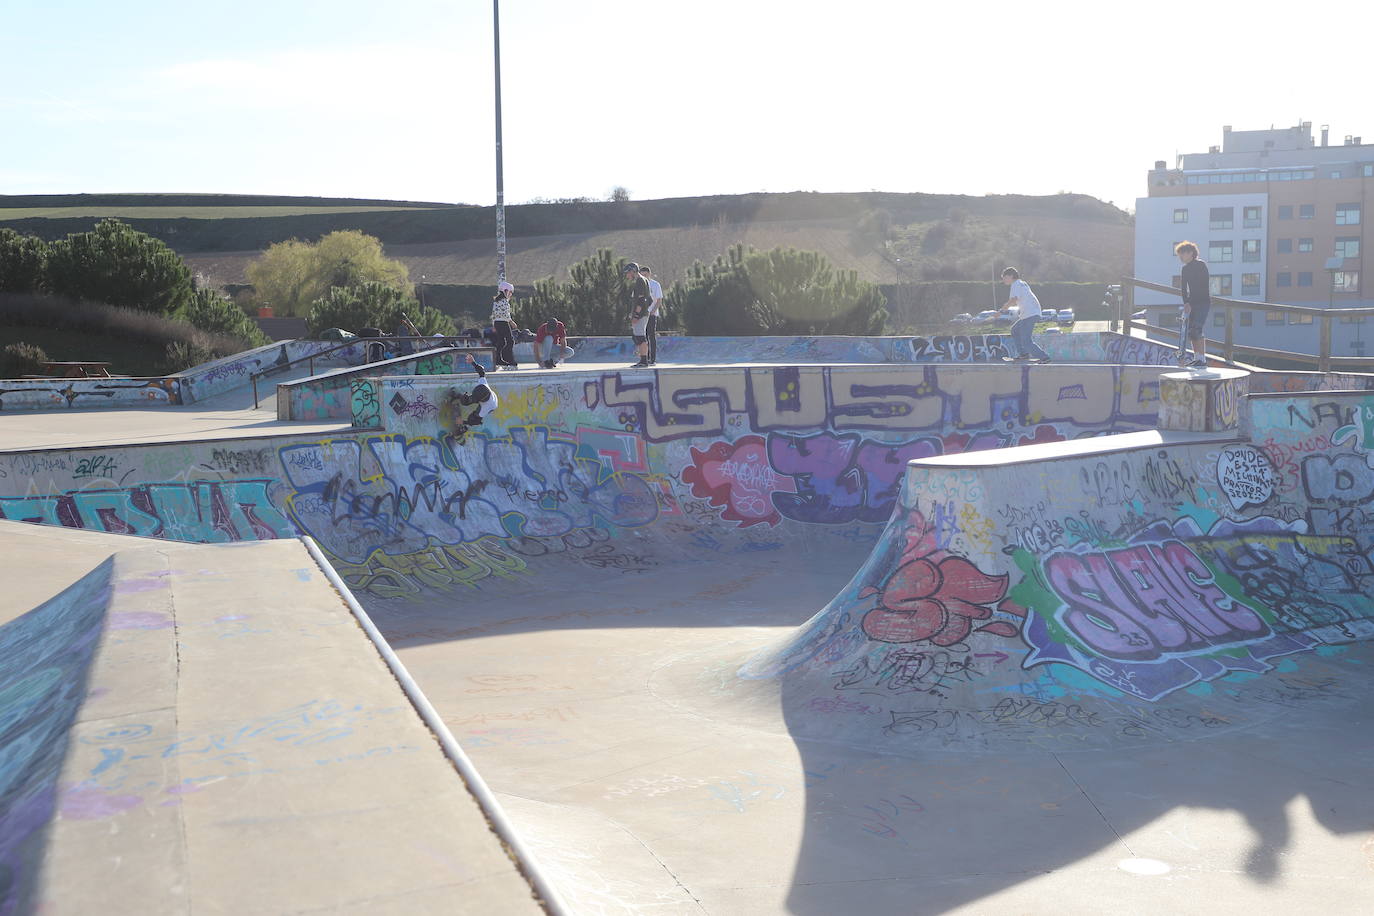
(133, 212)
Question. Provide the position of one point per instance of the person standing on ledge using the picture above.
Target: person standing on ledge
(1028, 313)
(651, 329)
(503, 327)
(1197, 302)
(639, 300)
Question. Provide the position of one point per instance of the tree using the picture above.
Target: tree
(116, 264)
(23, 262)
(591, 302)
(781, 291)
(210, 311)
(374, 305)
(620, 193)
(291, 275)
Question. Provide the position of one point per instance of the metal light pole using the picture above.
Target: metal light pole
(500, 180)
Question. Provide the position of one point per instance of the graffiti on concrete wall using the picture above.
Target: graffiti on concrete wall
(960, 348)
(203, 512)
(399, 496)
(677, 404)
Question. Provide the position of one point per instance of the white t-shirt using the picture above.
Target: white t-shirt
(1029, 305)
(656, 291)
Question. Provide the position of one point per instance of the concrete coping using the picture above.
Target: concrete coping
(1318, 393)
(1073, 448)
(1205, 375)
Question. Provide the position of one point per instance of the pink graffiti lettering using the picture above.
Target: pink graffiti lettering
(1142, 602)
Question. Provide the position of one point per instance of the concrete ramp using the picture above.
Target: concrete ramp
(207, 728)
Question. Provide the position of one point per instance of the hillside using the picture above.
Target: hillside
(887, 238)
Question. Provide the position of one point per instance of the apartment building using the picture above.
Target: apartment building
(1279, 217)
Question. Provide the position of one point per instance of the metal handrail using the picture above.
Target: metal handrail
(364, 341)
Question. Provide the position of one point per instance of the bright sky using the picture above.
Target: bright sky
(359, 98)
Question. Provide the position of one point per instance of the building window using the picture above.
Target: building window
(1307, 211)
(1222, 218)
(1345, 281)
(1250, 249)
(1335, 173)
(1304, 278)
(1299, 318)
(1246, 319)
(1249, 284)
(1367, 171)
(1284, 246)
(1252, 217)
(1221, 284)
(1273, 318)
(1304, 244)
(1285, 212)
(1347, 214)
(1219, 252)
(1357, 319)
(1176, 281)
(1357, 348)
(1283, 279)
(1219, 320)
(1180, 216)
(1348, 246)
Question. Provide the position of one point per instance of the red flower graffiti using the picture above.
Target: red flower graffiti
(736, 476)
(935, 596)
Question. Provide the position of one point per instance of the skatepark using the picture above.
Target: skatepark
(782, 625)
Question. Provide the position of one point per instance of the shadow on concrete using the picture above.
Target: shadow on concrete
(45, 663)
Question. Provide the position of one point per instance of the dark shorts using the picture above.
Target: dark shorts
(640, 338)
(1197, 320)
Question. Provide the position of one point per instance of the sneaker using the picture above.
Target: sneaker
(1041, 361)
(1198, 363)
(1013, 359)
(642, 364)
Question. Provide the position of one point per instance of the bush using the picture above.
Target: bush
(19, 359)
(780, 291)
(374, 305)
(30, 310)
(211, 312)
(186, 354)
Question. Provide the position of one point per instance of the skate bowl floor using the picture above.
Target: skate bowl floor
(748, 639)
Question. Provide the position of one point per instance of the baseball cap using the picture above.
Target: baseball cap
(503, 286)
(631, 266)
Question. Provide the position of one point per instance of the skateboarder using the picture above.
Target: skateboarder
(1028, 313)
(482, 399)
(640, 300)
(1197, 302)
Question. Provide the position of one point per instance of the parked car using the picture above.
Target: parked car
(1049, 315)
(1053, 330)
(961, 318)
(984, 317)
(1066, 316)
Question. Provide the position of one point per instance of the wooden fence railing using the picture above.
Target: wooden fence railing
(1323, 360)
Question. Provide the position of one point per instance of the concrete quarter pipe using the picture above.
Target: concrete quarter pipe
(720, 647)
